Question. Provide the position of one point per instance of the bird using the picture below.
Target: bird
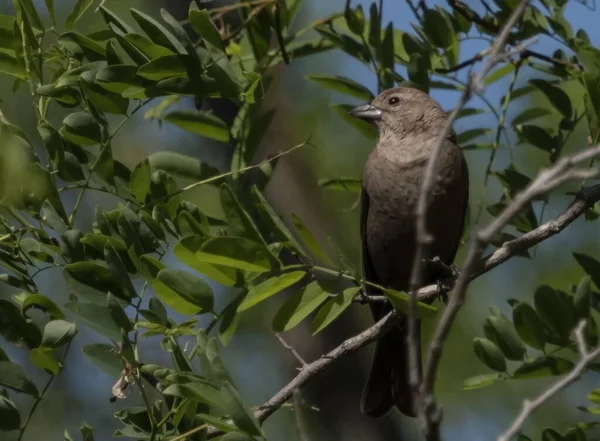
(409, 123)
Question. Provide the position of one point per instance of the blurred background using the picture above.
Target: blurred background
(329, 406)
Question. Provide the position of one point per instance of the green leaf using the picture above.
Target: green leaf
(489, 354)
(14, 377)
(119, 78)
(235, 252)
(268, 288)
(197, 391)
(181, 165)
(118, 314)
(220, 424)
(14, 328)
(342, 85)
(530, 114)
(140, 180)
(470, 111)
(438, 28)
(240, 222)
(528, 325)
(82, 47)
(543, 367)
(556, 310)
(183, 292)
(582, 299)
(58, 333)
(575, 434)
(594, 396)
(557, 97)
(255, 80)
(96, 317)
(481, 381)
(96, 277)
(471, 134)
(10, 419)
(309, 240)
(590, 265)
(355, 19)
(230, 320)
(200, 123)
(186, 250)
(82, 129)
(299, 306)
(167, 66)
(102, 99)
(113, 19)
(332, 309)
(144, 46)
(119, 272)
(341, 184)
(42, 303)
(401, 300)
(77, 12)
(551, 435)
(363, 127)
(499, 73)
(239, 412)
(275, 224)
(203, 25)
(105, 357)
(537, 137)
(157, 32)
(44, 358)
(502, 333)
(10, 65)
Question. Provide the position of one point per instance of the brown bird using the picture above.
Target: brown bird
(409, 124)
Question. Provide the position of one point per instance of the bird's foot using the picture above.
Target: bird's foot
(446, 271)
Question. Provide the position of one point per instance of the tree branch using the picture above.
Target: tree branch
(491, 27)
(547, 180)
(529, 406)
(423, 389)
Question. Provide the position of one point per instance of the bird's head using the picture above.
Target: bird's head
(401, 111)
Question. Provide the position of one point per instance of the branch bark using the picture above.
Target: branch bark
(428, 411)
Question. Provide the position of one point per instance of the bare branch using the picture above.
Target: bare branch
(310, 370)
(291, 349)
(430, 416)
(529, 406)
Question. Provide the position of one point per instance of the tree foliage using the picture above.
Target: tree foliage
(119, 70)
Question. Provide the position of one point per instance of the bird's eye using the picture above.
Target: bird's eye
(394, 100)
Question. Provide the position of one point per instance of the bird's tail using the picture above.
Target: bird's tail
(388, 383)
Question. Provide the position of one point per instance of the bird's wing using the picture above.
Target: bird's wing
(367, 265)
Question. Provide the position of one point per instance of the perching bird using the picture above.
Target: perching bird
(409, 124)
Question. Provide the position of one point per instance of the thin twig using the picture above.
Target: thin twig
(241, 170)
(529, 406)
(291, 349)
(427, 409)
(42, 395)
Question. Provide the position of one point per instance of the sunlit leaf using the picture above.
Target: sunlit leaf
(268, 288)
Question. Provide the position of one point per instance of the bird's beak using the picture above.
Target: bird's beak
(368, 112)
